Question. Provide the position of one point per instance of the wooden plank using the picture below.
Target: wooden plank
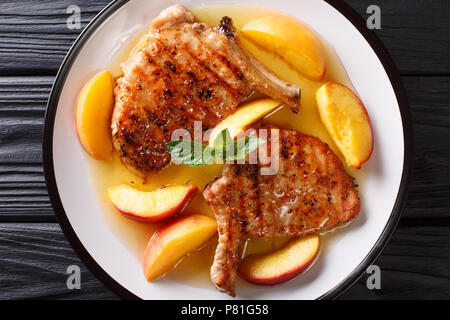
(34, 259)
(414, 265)
(35, 256)
(34, 36)
(429, 191)
(22, 107)
(23, 193)
(22, 186)
(415, 33)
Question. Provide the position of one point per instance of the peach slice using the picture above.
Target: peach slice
(93, 113)
(281, 265)
(175, 239)
(347, 121)
(245, 115)
(153, 206)
(291, 40)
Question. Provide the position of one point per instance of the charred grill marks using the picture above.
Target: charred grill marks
(310, 200)
(180, 72)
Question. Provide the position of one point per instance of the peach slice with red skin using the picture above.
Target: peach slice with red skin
(93, 115)
(153, 206)
(347, 121)
(281, 265)
(175, 239)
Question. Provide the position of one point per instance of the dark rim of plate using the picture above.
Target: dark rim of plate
(96, 269)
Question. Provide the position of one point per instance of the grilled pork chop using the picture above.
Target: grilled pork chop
(183, 71)
(310, 193)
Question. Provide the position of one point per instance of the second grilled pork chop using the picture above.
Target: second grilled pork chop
(180, 72)
(310, 193)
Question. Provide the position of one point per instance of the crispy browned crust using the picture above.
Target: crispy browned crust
(180, 72)
(310, 193)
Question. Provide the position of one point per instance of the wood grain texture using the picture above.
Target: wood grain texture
(414, 32)
(416, 38)
(414, 265)
(22, 185)
(429, 192)
(35, 256)
(37, 29)
(22, 108)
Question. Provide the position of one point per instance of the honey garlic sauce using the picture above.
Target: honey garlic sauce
(194, 269)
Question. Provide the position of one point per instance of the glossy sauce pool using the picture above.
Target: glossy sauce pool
(194, 268)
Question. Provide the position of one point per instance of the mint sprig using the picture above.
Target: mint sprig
(196, 154)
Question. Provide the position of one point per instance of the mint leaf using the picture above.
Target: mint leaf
(223, 140)
(243, 146)
(196, 154)
(190, 153)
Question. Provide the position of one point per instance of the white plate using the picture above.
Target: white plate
(372, 73)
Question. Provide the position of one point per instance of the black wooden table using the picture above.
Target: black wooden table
(34, 254)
